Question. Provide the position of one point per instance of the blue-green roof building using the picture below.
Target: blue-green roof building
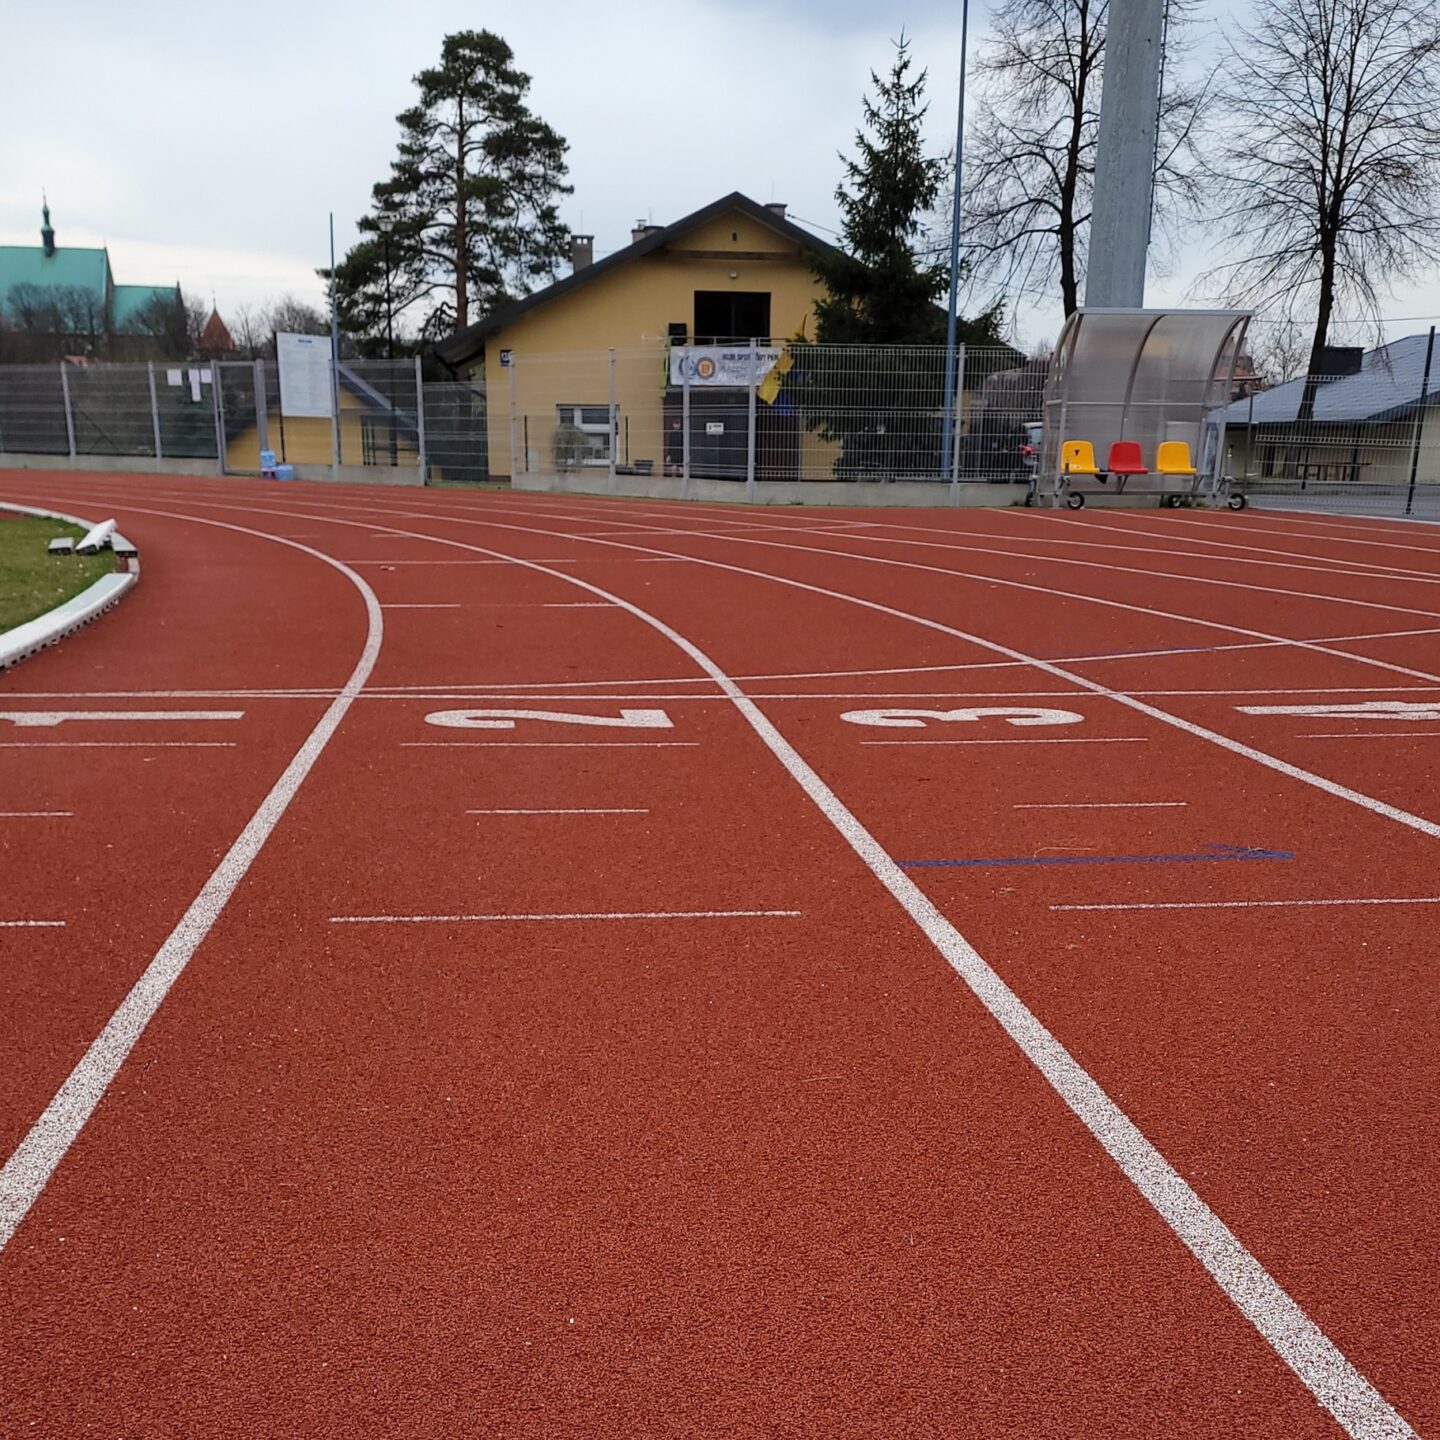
(49, 289)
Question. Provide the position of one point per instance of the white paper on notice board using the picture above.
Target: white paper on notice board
(195, 385)
(172, 377)
(304, 376)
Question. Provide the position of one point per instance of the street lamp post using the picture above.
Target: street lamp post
(387, 224)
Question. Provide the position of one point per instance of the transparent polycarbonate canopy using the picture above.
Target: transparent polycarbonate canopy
(1143, 375)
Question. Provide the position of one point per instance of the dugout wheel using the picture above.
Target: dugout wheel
(1075, 500)
(1236, 502)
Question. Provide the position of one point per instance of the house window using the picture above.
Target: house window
(591, 445)
(724, 316)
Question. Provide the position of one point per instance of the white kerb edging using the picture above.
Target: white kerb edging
(35, 635)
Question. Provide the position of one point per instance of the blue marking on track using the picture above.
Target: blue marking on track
(1211, 852)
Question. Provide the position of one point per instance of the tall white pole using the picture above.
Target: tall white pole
(1125, 155)
(948, 444)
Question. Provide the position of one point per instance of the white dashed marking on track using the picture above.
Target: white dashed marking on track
(583, 915)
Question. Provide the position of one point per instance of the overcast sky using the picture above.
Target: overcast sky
(207, 144)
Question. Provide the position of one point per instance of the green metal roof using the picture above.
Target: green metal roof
(128, 300)
(70, 265)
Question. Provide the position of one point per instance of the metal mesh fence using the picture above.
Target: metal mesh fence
(761, 413)
(456, 418)
(769, 411)
(1365, 440)
(33, 410)
(226, 411)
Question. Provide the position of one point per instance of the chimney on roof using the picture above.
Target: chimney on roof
(47, 232)
(1339, 360)
(777, 207)
(582, 251)
(642, 229)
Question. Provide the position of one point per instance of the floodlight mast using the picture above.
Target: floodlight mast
(950, 436)
(1125, 155)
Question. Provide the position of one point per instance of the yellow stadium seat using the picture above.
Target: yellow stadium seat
(1077, 457)
(1173, 458)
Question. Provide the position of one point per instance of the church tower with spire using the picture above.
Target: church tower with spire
(47, 230)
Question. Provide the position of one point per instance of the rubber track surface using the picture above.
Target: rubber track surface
(765, 1175)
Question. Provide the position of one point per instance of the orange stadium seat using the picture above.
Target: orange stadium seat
(1173, 458)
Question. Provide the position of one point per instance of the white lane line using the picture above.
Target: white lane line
(1102, 805)
(559, 812)
(31, 924)
(577, 605)
(48, 719)
(1364, 734)
(1050, 667)
(28, 1170)
(579, 915)
(35, 814)
(1357, 1406)
(549, 744)
(117, 744)
(572, 694)
(506, 605)
(1251, 904)
(1092, 740)
(566, 560)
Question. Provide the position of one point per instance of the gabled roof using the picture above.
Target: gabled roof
(130, 300)
(462, 347)
(70, 265)
(1387, 384)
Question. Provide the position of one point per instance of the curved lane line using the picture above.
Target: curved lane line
(28, 1170)
(1361, 1411)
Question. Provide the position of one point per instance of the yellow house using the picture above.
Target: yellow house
(604, 340)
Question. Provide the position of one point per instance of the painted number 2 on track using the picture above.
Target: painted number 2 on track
(505, 719)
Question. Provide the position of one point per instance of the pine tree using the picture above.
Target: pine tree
(472, 199)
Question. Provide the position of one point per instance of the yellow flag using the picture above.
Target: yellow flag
(769, 388)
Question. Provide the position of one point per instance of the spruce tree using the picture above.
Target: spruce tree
(884, 405)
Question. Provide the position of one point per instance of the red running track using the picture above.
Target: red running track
(359, 1161)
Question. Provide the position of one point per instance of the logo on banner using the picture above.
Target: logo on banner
(705, 368)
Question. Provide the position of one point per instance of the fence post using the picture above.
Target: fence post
(514, 425)
(1250, 438)
(956, 400)
(217, 404)
(1419, 425)
(614, 426)
(262, 407)
(750, 426)
(154, 409)
(685, 423)
(420, 422)
(336, 447)
(69, 412)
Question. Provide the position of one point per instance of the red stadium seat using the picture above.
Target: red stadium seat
(1125, 459)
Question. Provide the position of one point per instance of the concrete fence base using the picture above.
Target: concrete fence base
(148, 465)
(861, 493)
